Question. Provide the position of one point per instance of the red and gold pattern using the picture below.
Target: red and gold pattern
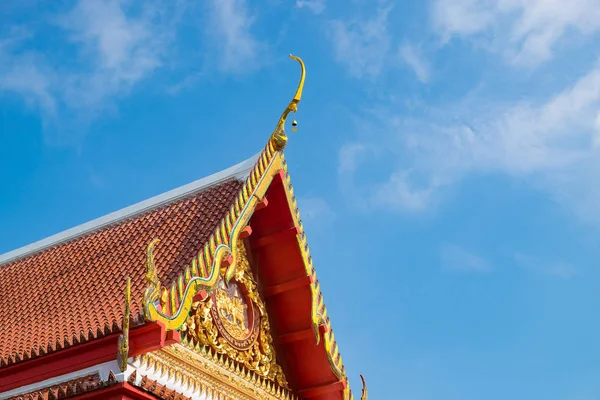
(221, 252)
(246, 339)
(82, 279)
(95, 264)
(234, 314)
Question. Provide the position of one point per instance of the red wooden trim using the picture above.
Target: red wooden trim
(143, 339)
(201, 295)
(278, 231)
(323, 329)
(262, 204)
(304, 334)
(276, 238)
(113, 392)
(134, 392)
(246, 232)
(227, 261)
(171, 338)
(289, 285)
(118, 391)
(316, 391)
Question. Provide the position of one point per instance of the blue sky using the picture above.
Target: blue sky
(447, 162)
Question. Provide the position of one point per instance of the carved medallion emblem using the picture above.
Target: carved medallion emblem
(235, 315)
(233, 321)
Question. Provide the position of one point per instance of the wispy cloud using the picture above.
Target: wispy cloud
(554, 143)
(121, 50)
(457, 259)
(416, 61)
(230, 31)
(316, 6)
(25, 72)
(362, 45)
(405, 191)
(526, 31)
(560, 270)
(115, 49)
(315, 209)
(348, 157)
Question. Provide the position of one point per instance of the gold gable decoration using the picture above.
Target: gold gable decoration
(233, 321)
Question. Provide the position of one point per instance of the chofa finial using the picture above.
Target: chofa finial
(365, 393)
(152, 292)
(279, 138)
(123, 342)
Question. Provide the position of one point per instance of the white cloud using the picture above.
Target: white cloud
(362, 45)
(316, 6)
(348, 157)
(454, 258)
(25, 73)
(415, 60)
(115, 49)
(553, 268)
(527, 31)
(315, 209)
(551, 143)
(402, 192)
(230, 31)
(461, 17)
(122, 50)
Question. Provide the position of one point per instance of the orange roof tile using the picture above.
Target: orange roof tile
(92, 382)
(156, 389)
(73, 292)
(67, 389)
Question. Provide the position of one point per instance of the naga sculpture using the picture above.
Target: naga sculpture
(152, 292)
(123, 342)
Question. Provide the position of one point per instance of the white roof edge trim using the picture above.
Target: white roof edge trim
(239, 171)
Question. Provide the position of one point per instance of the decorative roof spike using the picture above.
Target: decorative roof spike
(132, 377)
(365, 393)
(194, 267)
(79, 387)
(70, 390)
(279, 138)
(111, 378)
(152, 292)
(123, 343)
(51, 395)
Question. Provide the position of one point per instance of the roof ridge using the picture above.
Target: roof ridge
(238, 171)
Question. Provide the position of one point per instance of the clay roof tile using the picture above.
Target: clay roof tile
(82, 279)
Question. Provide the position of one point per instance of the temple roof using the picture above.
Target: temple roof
(67, 289)
(239, 171)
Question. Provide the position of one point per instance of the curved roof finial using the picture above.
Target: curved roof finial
(279, 138)
(365, 393)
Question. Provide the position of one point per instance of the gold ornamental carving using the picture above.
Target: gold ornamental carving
(233, 321)
(123, 342)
